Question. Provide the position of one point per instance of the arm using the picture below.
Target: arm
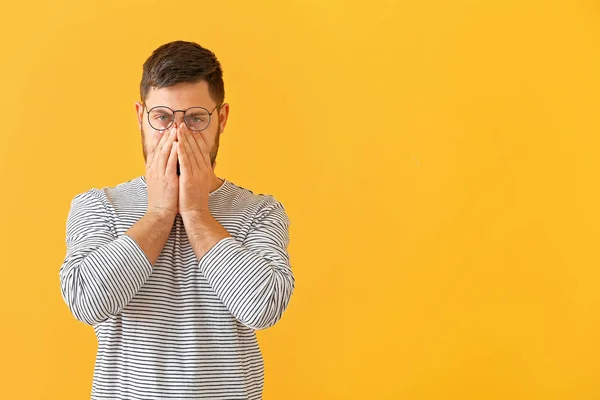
(253, 278)
(102, 272)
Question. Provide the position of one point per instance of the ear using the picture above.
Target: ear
(223, 115)
(139, 110)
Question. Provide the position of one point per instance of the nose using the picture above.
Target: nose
(178, 118)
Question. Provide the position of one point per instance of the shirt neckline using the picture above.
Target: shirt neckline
(217, 190)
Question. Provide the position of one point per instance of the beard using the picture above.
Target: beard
(213, 151)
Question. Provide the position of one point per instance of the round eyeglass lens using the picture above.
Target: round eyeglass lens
(197, 118)
(160, 118)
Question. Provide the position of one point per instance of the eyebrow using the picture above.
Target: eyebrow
(162, 105)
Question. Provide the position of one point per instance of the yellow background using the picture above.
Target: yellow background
(438, 161)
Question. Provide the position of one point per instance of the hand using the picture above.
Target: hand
(161, 174)
(197, 173)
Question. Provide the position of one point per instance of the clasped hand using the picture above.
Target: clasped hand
(187, 193)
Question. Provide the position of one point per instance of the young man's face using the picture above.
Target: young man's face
(181, 97)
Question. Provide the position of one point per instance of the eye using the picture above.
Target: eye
(160, 117)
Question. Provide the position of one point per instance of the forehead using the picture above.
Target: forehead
(181, 96)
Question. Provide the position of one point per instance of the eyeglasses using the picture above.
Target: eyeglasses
(162, 117)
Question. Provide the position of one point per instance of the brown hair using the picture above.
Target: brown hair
(182, 61)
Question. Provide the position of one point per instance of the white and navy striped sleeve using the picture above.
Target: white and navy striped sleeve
(253, 278)
(101, 272)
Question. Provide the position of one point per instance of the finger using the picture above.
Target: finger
(184, 160)
(162, 137)
(187, 144)
(165, 150)
(202, 147)
(172, 161)
(156, 136)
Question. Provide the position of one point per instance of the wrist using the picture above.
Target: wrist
(200, 215)
(161, 214)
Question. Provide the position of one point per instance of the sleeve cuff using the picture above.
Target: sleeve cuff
(219, 253)
(138, 256)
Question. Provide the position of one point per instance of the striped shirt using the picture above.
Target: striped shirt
(182, 328)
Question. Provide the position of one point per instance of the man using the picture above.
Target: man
(176, 271)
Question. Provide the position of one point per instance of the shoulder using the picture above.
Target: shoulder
(106, 197)
(88, 198)
(111, 196)
(255, 205)
(245, 197)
